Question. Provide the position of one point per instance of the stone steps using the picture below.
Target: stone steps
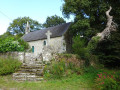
(26, 77)
(29, 72)
(24, 64)
(37, 72)
(32, 67)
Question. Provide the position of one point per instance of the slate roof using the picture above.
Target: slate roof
(56, 31)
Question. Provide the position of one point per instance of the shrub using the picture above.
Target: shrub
(90, 69)
(117, 77)
(9, 43)
(65, 55)
(107, 81)
(85, 52)
(63, 67)
(8, 65)
(58, 69)
(55, 70)
(24, 44)
(79, 46)
(74, 66)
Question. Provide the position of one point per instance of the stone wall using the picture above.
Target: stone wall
(58, 43)
(38, 46)
(29, 58)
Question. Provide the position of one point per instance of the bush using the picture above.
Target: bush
(85, 52)
(117, 77)
(55, 70)
(79, 46)
(58, 69)
(74, 65)
(24, 44)
(9, 43)
(65, 55)
(107, 81)
(62, 67)
(8, 65)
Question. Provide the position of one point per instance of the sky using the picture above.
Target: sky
(37, 10)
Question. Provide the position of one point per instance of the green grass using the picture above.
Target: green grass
(85, 81)
(75, 82)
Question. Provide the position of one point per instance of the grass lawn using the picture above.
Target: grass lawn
(75, 82)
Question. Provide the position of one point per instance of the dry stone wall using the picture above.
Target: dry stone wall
(31, 58)
(28, 58)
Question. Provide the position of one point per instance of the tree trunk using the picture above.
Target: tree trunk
(111, 26)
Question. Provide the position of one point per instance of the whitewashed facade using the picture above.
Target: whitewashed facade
(52, 36)
(58, 43)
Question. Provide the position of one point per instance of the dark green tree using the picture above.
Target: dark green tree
(18, 25)
(109, 51)
(90, 19)
(90, 15)
(53, 21)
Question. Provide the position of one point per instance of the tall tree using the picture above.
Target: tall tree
(53, 21)
(90, 19)
(18, 25)
(90, 15)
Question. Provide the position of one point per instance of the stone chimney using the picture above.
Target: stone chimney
(27, 29)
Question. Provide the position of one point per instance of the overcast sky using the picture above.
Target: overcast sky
(35, 9)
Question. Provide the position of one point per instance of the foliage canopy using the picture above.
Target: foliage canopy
(18, 25)
(53, 21)
(90, 15)
(90, 19)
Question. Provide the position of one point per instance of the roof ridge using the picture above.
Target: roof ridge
(56, 31)
(51, 27)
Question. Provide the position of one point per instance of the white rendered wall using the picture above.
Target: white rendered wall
(38, 45)
(58, 43)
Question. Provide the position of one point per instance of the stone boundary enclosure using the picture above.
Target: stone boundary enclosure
(31, 58)
(47, 54)
(24, 57)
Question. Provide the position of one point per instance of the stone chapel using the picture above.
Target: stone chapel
(52, 36)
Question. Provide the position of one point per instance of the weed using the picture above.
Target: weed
(8, 65)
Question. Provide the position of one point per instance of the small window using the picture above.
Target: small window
(33, 49)
(44, 43)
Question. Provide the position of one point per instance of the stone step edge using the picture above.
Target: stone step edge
(24, 64)
(26, 73)
(29, 69)
(26, 77)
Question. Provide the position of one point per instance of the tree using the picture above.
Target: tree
(90, 15)
(90, 19)
(9, 42)
(18, 25)
(53, 21)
